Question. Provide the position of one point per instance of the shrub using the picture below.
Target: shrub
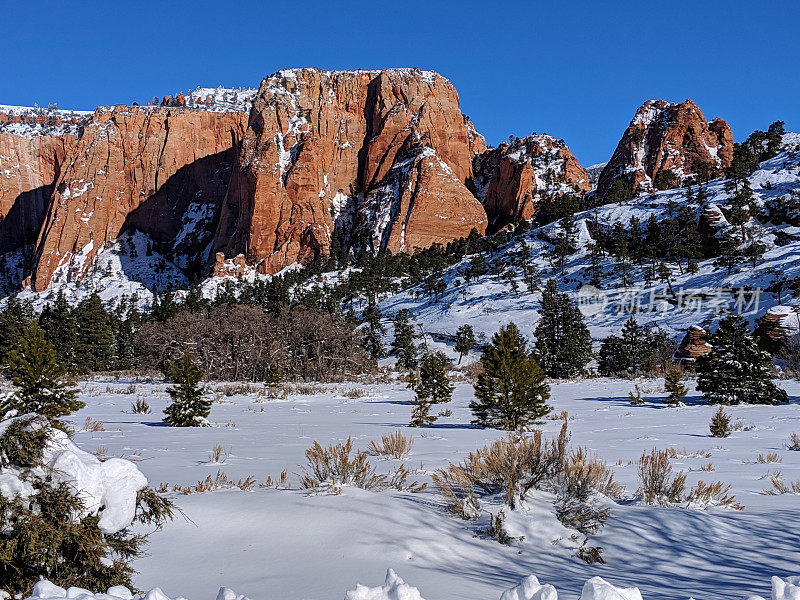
(720, 425)
(713, 494)
(394, 445)
(676, 391)
(51, 533)
(334, 465)
(218, 454)
(140, 407)
(779, 486)
(794, 442)
(658, 485)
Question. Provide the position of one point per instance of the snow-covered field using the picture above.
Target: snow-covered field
(285, 543)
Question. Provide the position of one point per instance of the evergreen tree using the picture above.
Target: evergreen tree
(737, 370)
(465, 340)
(511, 393)
(638, 349)
(563, 343)
(190, 407)
(40, 379)
(94, 342)
(13, 319)
(58, 324)
(434, 384)
(676, 391)
(403, 346)
(373, 332)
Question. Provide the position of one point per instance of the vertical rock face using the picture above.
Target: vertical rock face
(513, 179)
(665, 136)
(162, 171)
(385, 156)
(693, 345)
(29, 168)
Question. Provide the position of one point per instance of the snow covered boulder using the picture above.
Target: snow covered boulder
(106, 488)
(394, 589)
(787, 588)
(598, 588)
(530, 589)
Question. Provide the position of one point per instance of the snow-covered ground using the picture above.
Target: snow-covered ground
(285, 543)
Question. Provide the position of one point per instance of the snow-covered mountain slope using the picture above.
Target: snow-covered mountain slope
(489, 301)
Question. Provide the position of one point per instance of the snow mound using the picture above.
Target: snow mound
(44, 590)
(108, 488)
(394, 589)
(787, 588)
(598, 588)
(530, 589)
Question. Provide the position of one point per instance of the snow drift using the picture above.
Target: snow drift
(106, 488)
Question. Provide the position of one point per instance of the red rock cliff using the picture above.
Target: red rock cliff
(137, 168)
(513, 179)
(386, 155)
(665, 136)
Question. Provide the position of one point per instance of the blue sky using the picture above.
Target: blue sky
(577, 70)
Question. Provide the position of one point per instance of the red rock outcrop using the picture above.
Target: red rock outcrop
(29, 168)
(138, 168)
(365, 150)
(665, 136)
(513, 179)
(693, 345)
(775, 326)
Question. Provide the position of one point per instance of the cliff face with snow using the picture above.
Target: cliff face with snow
(665, 136)
(382, 159)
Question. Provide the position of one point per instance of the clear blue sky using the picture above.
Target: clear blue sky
(577, 70)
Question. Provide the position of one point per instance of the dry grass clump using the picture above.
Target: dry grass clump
(239, 389)
(308, 389)
(394, 445)
(282, 483)
(675, 453)
(770, 457)
(794, 442)
(218, 455)
(355, 393)
(334, 465)
(210, 484)
(91, 425)
(713, 494)
(140, 407)
(399, 481)
(658, 485)
(128, 389)
(780, 486)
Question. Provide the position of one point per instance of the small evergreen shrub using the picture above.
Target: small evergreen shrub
(720, 425)
(190, 407)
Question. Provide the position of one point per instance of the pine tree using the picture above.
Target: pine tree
(511, 393)
(563, 343)
(403, 346)
(94, 342)
(40, 379)
(58, 324)
(13, 319)
(190, 407)
(431, 386)
(465, 340)
(676, 391)
(737, 370)
(374, 331)
(634, 351)
(434, 383)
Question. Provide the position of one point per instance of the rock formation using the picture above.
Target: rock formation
(385, 156)
(693, 345)
(663, 138)
(162, 171)
(513, 179)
